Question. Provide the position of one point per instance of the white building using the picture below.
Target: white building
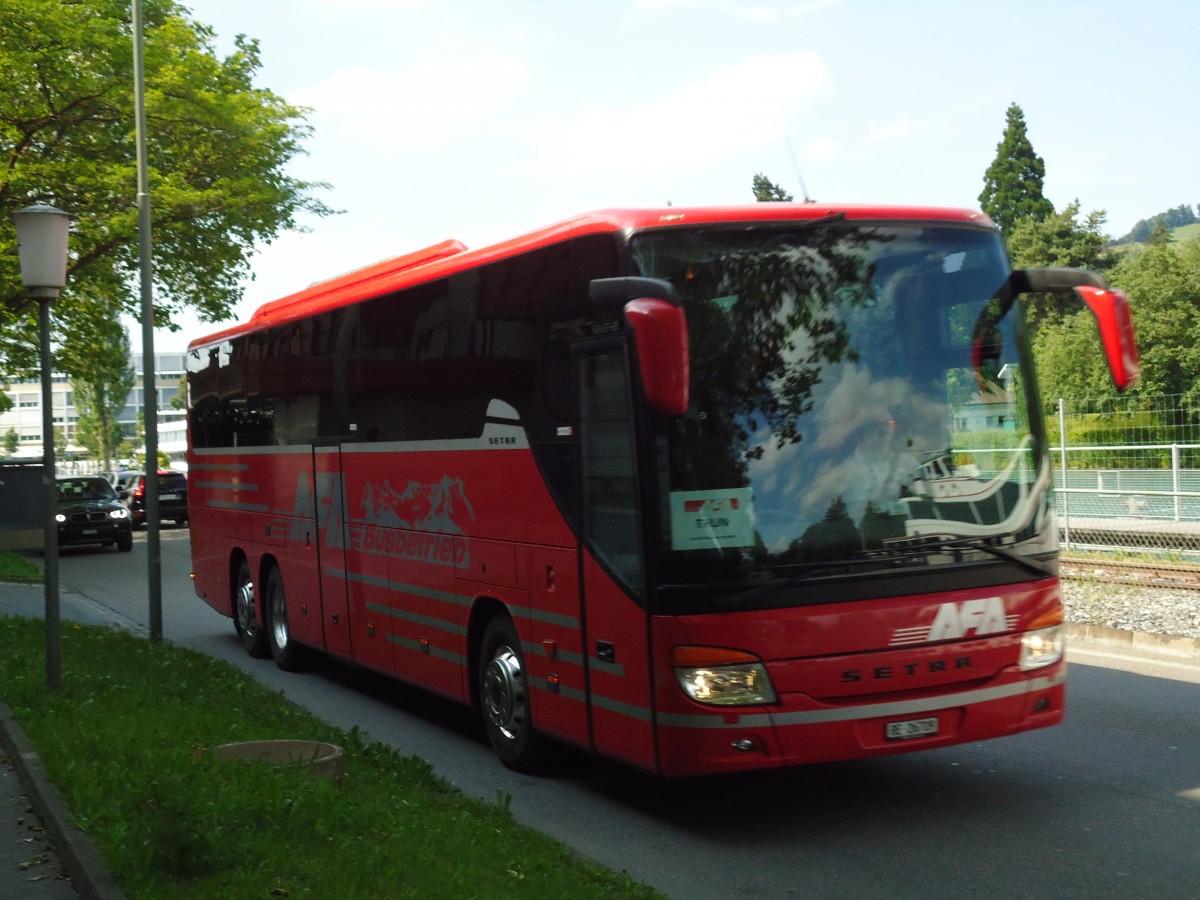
(24, 419)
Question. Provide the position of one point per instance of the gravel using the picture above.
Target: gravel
(1132, 607)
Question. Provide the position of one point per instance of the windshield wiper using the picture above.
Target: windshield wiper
(1036, 566)
(891, 558)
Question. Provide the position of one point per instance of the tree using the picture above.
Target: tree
(11, 441)
(1059, 239)
(218, 149)
(99, 368)
(1012, 185)
(766, 191)
(1163, 283)
(1173, 218)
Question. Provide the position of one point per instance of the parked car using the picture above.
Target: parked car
(172, 497)
(123, 480)
(90, 513)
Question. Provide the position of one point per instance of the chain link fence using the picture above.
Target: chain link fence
(1127, 475)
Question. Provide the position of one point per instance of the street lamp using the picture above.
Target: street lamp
(42, 246)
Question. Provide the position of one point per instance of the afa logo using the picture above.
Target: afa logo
(954, 621)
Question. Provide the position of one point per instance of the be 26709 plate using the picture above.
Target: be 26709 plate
(911, 728)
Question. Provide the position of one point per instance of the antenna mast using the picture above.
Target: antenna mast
(796, 166)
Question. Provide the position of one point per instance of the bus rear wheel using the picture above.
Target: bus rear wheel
(245, 616)
(504, 697)
(288, 655)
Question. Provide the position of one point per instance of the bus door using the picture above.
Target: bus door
(328, 498)
(616, 623)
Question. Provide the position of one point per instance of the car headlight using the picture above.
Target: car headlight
(722, 677)
(121, 513)
(1043, 647)
(60, 518)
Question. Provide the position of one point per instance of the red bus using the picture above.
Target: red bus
(700, 490)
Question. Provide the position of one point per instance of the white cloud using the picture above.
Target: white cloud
(374, 5)
(687, 129)
(758, 13)
(418, 108)
(823, 148)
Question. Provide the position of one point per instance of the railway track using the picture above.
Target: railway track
(1146, 574)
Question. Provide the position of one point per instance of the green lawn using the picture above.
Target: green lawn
(126, 739)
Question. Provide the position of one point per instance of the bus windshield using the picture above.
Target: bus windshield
(859, 403)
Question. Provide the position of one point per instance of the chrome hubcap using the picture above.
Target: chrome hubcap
(279, 627)
(504, 693)
(245, 607)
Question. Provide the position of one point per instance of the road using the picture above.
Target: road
(1106, 805)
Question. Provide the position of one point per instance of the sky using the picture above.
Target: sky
(484, 119)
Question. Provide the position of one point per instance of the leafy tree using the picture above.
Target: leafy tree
(218, 150)
(1070, 361)
(11, 441)
(1170, 220)
(1163, 283)
(1012, 185)
(1059, 239)
(98, 363)
(766, 191)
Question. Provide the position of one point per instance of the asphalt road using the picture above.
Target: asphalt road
(1105, 805)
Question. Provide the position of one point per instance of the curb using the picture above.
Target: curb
(1166, 645)
(89, 874)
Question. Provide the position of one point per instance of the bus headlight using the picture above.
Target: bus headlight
(722, 677)
(1043, 647)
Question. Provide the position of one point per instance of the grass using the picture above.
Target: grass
(126, 739)
(14, 567)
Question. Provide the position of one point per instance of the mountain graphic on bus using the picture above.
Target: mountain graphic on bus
(440, 507)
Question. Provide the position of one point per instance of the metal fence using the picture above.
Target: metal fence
(1127, 475)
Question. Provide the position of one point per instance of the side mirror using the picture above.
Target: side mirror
(661, 341)
(1110, 307)
(1115, 321)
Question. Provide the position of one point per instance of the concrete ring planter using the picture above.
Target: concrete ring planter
(316, 758)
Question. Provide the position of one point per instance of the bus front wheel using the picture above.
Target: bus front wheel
(504, 697)
(245, 616)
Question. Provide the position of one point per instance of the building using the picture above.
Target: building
(24, 419)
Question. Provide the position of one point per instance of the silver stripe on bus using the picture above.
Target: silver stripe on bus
(625, 709)
(233, 504)
(399, 586)
(416, 619)
(226, 486)
(854, 713)
(561, 690)
(570, 657)
(553, 618)
(409, 644)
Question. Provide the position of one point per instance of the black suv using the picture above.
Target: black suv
(172, 498)
(90, 513)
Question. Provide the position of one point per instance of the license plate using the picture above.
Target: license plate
(168, 496)
(91, 531)
(911, 728)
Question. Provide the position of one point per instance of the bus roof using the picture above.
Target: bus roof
(450, 257)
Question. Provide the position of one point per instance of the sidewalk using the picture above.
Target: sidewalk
(43, 855)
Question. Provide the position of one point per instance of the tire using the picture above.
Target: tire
(288, 655)
(245, 616)
(504, 697)
(125, 543)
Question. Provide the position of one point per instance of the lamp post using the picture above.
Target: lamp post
(42, 246)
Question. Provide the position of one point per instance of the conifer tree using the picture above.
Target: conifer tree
(767, 191)
(1012, 185)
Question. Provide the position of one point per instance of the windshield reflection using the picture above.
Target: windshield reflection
(852, 391)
